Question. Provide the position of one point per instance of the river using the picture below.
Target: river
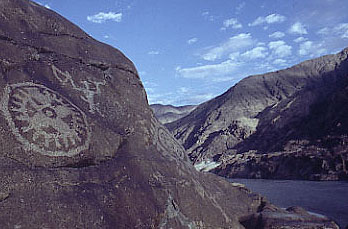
(328, 198)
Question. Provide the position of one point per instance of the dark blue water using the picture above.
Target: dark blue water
(328, 198)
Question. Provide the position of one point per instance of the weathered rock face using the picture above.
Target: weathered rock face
(292, 113)
(168, 113)
(293, 217)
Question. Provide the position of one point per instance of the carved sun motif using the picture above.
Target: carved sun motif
(45, 121)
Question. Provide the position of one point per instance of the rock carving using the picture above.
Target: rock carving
(44, 121)
(88, 87)
(164, 141)
(173, 211)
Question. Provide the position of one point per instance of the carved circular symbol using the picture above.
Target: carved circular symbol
(45, 121)
(167, 143)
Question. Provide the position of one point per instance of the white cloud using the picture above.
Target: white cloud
(277, 35)
(150, 84)
(192, 40)
(280, 62)
(324, 31)
(300, 39)
(305, 47)
(160, 98)
(150, 87)
(298, 28)
(255, 53)
(207, 16)
(258, 21)
(309, 48)
(191, 94)
(261, 43)
(208, 71)
(102, 17)
(234, 56)
(183, 90)
(181, 96)
(153, 52)
(341, 30)
(275, 18)
(280, 48)
(240, 7)
(149, 90)
(233, 23)
(270, 19)
(233, 44)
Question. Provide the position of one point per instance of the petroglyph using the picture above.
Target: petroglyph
(88, 87)
(44, 121)
(173, 212)
(164, 142)
(167, 142)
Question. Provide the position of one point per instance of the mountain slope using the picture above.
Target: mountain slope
(299, 109)
(168, 113)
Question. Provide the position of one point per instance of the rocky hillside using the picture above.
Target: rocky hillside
(289, 124)
(80, 147)
(168, 113)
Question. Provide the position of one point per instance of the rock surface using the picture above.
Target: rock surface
(168, 113)
(288, 124)
(292, 217)
(79, 145)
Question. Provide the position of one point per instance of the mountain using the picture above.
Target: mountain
(168, 113)
(80, 147)
(288, 124)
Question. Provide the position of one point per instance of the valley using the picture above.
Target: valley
(288, 124)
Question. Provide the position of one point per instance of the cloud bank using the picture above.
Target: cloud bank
(233, 23)
(208, 71)
(102, 17)
(298, 28)
(270, 19)
(233, 44)
(192, 40)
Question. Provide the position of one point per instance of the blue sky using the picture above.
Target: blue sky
(189, 51)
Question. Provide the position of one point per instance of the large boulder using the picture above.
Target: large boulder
(79, 145)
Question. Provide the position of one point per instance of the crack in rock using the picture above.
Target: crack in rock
(173, 212)
(4, 196)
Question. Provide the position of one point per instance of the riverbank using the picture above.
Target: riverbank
(326, 198)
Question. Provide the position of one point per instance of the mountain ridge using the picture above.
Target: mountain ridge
(251, 115)
(169, 113)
